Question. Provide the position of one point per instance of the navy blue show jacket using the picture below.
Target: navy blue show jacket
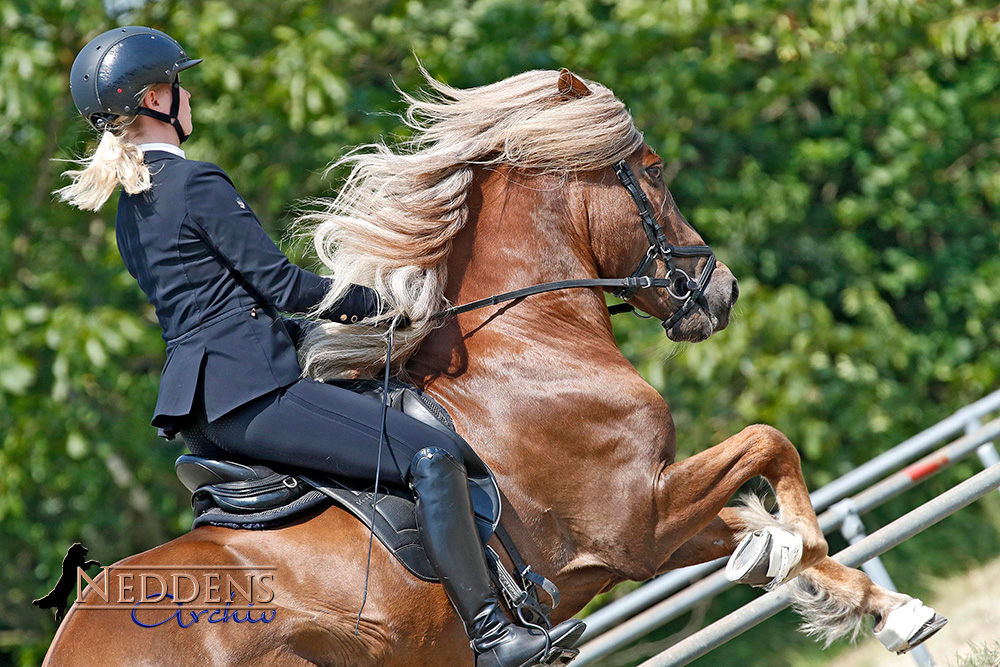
(218, 283)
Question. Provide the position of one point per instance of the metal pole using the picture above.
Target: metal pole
(648, 594)
(853, 530)
(987, 453)
(672, 607)
(903, 452)
(913, 474)
(652, 618)
(877, 543)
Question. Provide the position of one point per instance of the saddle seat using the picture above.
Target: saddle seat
(259, 496)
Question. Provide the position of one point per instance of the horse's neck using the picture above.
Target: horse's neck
(540, 388)
(523, 231)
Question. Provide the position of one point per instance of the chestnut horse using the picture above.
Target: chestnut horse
(505, 186)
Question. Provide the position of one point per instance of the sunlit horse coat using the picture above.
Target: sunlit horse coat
(217, 282)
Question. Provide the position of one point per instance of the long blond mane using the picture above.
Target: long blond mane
(393, 223)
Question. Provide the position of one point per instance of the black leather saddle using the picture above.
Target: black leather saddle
(255, 496)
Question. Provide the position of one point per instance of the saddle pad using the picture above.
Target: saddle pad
(395, 517)
(228, 494)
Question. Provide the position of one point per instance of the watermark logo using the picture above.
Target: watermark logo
(159, 594)
(74, 561)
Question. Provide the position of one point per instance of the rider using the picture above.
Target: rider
(232, 384)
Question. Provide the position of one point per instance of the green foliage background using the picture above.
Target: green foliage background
(843, 158)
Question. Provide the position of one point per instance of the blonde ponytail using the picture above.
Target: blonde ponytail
(116, 161)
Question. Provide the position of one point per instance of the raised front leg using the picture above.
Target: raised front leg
(691, 496)
(833, 599)
(715, 540)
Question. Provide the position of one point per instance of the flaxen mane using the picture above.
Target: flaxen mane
(392, 225)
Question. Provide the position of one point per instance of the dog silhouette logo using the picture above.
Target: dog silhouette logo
(58, 597)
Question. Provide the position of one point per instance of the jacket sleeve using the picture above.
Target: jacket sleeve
(228, 225)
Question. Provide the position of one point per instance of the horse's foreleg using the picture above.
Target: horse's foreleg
(833, 599)
(691, 494)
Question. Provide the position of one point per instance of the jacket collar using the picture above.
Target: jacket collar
(168, 148)
(157, 156)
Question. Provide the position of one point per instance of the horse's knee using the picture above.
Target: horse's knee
(765, 433)
(774, 444)
(433, 461)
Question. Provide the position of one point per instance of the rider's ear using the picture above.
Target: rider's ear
(572, 87)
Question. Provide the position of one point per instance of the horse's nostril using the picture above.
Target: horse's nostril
(735, 294)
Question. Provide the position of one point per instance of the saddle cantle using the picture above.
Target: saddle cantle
(254, 496)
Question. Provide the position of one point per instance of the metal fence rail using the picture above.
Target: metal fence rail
(616, 633)
(877, 543)
(905, 451)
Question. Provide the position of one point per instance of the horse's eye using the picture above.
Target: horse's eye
(655, 172)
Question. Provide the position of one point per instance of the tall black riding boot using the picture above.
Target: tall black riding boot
(448, 533)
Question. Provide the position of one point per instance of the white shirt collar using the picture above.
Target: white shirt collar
(169, 148)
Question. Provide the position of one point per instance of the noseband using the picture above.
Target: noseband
(677, 282)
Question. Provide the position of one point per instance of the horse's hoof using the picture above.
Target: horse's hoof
(765, 558)
(909, 626)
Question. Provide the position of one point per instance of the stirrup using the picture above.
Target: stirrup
(490, 628)
(765, 557)
(909, 626)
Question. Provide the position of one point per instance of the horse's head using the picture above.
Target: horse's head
(494, 173)
(691, 304)
(635, 229)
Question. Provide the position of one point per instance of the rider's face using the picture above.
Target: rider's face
(184, 114)
(160, 98)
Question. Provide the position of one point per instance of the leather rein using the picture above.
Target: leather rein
(677, 282)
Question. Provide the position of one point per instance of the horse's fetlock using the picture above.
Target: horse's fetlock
(813, 549)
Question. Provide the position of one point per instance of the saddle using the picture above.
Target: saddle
(257, 496)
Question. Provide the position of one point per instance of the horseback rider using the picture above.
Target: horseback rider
(232, 385)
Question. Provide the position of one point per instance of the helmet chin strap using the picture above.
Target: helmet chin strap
(172, 119)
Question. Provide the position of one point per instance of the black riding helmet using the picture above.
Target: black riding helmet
(110, 73)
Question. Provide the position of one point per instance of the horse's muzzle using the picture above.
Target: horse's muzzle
(711, 312)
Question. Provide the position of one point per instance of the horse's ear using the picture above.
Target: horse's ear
(572, 87)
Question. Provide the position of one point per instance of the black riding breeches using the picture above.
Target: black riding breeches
(321, 427)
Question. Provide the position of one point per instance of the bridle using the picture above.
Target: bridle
(677, 282)
(659, 248)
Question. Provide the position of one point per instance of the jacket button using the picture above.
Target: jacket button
(343, 318)
(253, 313)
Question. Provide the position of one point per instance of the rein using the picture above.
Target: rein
(675, 281)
